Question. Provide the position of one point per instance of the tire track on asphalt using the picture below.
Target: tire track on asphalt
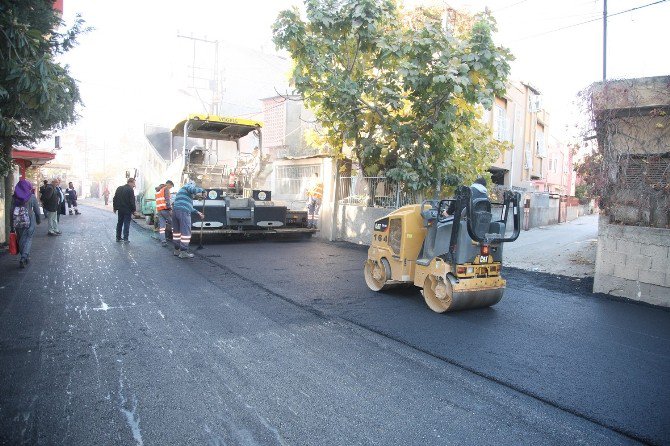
(322, 314)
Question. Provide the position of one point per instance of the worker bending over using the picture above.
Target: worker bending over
(181, 219)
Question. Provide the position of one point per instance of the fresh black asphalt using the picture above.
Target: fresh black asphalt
(603, 359)
(282, 343)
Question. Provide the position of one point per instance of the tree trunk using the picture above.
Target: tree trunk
(336, 192)
(7, 180)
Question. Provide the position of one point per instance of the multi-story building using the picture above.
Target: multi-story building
(285, 124)
(560, 176)
(536, 158)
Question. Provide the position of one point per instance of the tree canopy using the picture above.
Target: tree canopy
(37, 94)
(403, 89)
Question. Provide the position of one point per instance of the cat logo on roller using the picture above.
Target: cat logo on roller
(456, 259)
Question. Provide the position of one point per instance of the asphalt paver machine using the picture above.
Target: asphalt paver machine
(455, 259)
(234, 202)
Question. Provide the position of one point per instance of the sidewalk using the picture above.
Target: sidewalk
(567, 249)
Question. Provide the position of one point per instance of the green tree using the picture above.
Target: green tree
(37, 95)
(403, 91)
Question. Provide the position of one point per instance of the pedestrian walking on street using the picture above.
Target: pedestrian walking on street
(314, 196)
(61, 200)
(25, 216)
(181, 219)
(51, 204)
(164, 209)
(43, 187)
(105, 194)
(124, 204)
(71, 197)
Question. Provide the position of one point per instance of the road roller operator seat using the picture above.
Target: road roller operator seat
(472, 216)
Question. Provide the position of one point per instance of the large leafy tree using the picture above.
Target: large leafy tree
(37, 94)
(403, 89)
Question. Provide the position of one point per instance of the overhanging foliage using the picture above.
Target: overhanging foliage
(403, 89)
(37, 95)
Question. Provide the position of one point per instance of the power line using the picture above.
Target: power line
(590, 21)
(509, 6)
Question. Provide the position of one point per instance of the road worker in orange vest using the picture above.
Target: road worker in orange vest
(314, 196)
(163, 209)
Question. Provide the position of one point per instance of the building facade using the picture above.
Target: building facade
(286, 123)
(537, 161)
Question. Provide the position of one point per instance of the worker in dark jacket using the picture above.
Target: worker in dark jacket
(50, 200)
(124, 206)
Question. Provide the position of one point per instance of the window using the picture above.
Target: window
(528, 156)
(292, 179)
(540, 149)
(395, 235)
(650, 170)
(499, 123)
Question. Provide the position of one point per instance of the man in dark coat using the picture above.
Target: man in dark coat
(50, 200)
(124, 206)
(42, 189)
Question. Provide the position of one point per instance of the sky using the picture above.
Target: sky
(136, 66)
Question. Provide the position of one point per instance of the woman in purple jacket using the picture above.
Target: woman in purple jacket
(25, 215)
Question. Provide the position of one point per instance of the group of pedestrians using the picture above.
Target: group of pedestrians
(25, 212)
(177, 212)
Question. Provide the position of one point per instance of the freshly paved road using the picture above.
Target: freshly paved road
(281, 343)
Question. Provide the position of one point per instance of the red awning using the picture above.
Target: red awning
(26, 158)
(34, 156)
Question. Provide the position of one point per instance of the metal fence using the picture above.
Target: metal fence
(378, 192)
(292, 180)
(290, 186)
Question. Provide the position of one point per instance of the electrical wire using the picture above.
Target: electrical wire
(509, 6)
(260, 112)
(590, 21)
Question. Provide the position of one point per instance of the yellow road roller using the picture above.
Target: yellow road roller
(455, 257)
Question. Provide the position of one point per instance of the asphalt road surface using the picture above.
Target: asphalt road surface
(281, 343)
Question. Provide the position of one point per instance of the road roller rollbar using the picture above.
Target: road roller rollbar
(478, 218)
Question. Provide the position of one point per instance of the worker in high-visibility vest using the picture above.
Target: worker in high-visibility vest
(163, 209)
(314, 196)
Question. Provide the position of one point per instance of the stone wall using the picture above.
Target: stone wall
(572, 212)
(543, 210)
(633, 262)
(356, 223)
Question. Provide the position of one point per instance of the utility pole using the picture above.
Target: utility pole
(214, 80)
(604, 40)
